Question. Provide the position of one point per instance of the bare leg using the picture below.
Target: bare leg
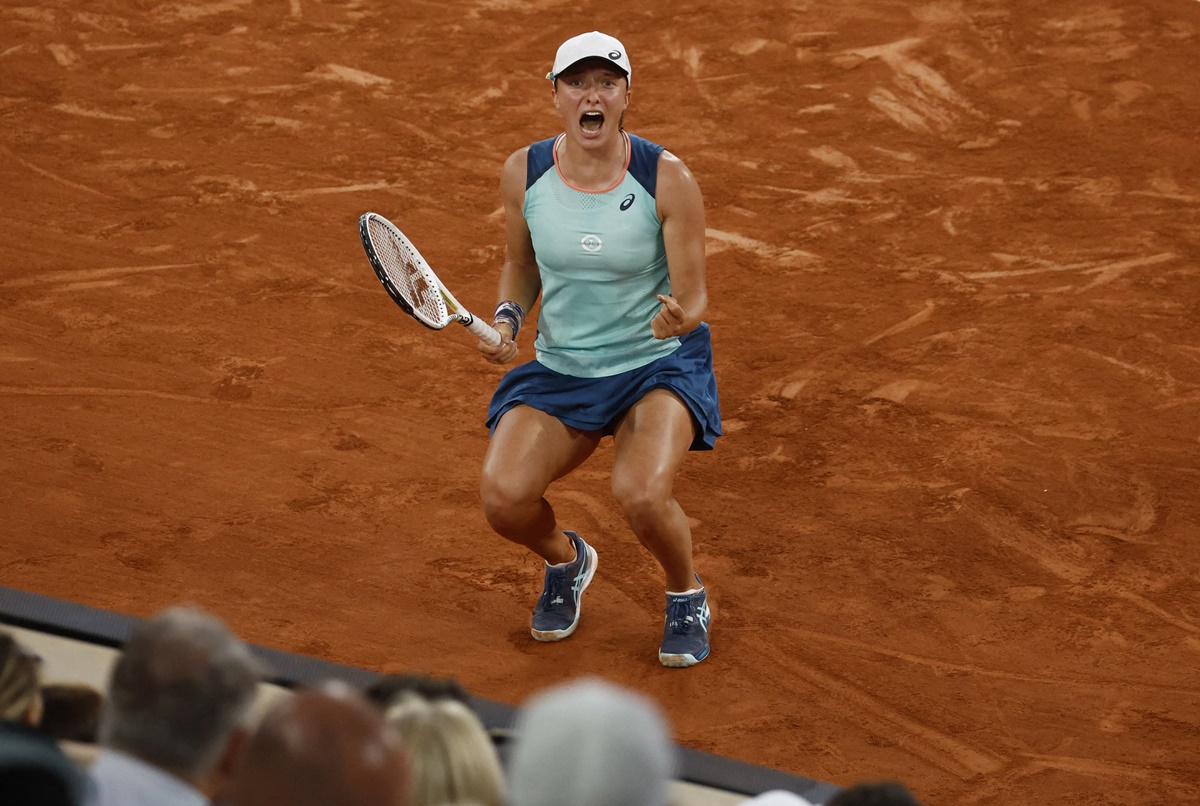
(528, 450)
(650, 445)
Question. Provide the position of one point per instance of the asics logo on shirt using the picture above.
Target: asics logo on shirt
(591, 243)
(627, 202)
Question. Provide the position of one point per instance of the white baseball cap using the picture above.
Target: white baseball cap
(587, 46)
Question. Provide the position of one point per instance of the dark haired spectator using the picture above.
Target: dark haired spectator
(71, 712)
(882, 793)
(173, 711)
(387, 690)
(33, 769)
(326, 745)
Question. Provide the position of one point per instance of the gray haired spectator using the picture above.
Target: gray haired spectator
(591, 743)
(173, 710)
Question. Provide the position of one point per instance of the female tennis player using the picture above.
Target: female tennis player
(608, 228)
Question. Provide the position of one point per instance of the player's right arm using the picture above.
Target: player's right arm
(520, 281)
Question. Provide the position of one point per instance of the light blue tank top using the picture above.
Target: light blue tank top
(602, 261)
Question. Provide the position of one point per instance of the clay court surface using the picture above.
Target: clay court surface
(954, 267)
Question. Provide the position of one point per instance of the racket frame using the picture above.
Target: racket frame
(448, 306)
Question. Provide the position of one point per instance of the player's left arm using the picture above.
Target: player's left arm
(681, 209)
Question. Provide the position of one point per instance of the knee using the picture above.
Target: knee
(503, 497)
(640, 497)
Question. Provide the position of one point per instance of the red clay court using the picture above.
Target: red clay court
(954, 267)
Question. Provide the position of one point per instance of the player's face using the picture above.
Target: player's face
(590, 97)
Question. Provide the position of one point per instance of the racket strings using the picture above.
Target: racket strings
(403, 269)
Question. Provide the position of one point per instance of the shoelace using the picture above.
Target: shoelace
(554, 586)
(679, 615)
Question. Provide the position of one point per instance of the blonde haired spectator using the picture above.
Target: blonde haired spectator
(20, 683)
(451, 757)
(33, 769)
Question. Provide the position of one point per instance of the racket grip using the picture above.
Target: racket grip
(484, 331)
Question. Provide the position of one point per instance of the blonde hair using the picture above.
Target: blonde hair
(20, 679)
(451, 757)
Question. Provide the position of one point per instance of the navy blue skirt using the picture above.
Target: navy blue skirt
(598, 404)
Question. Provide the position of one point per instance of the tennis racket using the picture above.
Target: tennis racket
(411, 283)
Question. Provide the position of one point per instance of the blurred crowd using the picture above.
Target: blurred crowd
(182, 723)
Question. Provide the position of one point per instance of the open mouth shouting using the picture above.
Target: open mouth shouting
(591, 122)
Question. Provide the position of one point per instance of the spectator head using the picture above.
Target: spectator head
(179, 692)
(389, 689)
(451, 757)
(883, 793)
(32, 767)
(20, 681)
(322, 745)
(72, 712)
(590, 743)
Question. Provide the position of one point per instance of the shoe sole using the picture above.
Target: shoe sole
(682, 661)
(558, 635)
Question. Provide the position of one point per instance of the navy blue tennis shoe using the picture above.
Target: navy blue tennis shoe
(685, 633)
(557, 612)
